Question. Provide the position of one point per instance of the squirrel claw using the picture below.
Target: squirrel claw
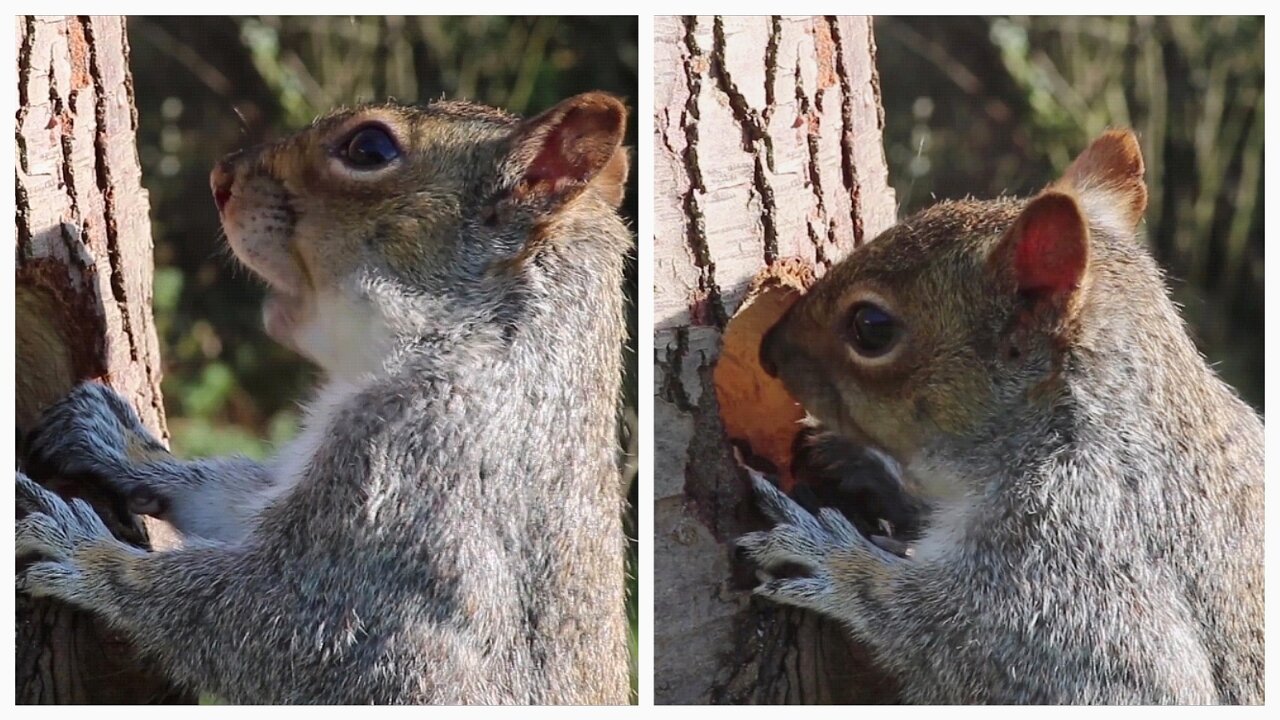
(774, 503)
(806, 592)
(893, 545)
(146, 502)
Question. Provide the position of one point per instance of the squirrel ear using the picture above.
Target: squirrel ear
(1108, 179)
(576, 144)
(1047, 250)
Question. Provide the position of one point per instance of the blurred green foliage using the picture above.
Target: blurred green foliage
(989, 106)
(206, 86)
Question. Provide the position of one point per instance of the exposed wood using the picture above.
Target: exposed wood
(767, 149)
(83, 294)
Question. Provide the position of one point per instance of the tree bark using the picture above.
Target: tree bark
(83, 312)
(769, 165)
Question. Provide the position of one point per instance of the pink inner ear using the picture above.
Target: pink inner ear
(553, 162)
(1052, 251)
(576, 149)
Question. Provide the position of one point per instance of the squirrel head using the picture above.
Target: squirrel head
(390, 220)
(964, 313)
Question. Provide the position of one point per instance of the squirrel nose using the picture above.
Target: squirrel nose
(221, 180)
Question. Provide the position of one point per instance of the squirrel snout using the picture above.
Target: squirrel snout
(221, 180)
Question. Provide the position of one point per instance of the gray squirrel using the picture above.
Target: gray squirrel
(447, 526)
(1093, 530)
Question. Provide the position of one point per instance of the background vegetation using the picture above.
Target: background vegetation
(206, 86)
(984, 106)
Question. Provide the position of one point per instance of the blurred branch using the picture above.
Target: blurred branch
(534, 54)
(210, 76)
(938, 56)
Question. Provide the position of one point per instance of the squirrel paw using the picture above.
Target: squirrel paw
(827, 547)
(85, 433)
(94, 432)
(65, 536)
(864, 484)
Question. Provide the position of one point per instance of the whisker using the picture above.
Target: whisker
(244, 124)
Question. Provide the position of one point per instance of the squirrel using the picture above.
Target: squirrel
(447, 526)
(1092, 522)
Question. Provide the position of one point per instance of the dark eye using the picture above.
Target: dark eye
(872, 331)
(369, 148)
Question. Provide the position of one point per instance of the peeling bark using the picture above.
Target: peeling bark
(83, 311)
(767, 149)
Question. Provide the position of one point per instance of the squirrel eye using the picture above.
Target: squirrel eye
(369, 148)
(872, 331)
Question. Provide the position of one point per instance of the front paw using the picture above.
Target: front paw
(864, 484)
(90, 432)
(827, 547)
(69, 540)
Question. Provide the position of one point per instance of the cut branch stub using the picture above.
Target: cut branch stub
(759, 415)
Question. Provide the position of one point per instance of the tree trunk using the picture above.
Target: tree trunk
(83, 311)
(769, 167)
